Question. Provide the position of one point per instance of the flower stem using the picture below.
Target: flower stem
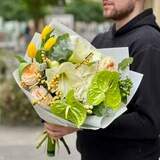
(42, 139)
(65, 144)
(51, 147)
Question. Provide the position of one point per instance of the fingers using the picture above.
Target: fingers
(53, 127)
(54, 135)
(56, 131)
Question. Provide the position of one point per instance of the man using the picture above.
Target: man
(134, 135)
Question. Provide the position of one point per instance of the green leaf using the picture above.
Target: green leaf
(20, 59)
(125, 63)
(105, 88)
(71, 110)
(99, 110)
(21, 67)
(125, 88)
(62, 50)
(63, 37)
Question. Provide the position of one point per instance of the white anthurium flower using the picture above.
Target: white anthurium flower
(69, 77)
(80, 51)
(50, 73)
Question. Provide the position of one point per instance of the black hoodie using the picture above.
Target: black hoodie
(134, 135)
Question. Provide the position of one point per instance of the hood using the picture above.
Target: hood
(145, 18)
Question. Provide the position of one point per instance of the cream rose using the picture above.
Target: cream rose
(41, 96)
(108, 63)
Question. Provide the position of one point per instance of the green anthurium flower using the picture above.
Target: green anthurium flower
(70, 109)
(105, 88)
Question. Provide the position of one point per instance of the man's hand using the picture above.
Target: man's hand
(57, 132)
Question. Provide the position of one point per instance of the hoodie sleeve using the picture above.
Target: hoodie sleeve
(142, 120)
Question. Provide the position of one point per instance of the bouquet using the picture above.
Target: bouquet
(71, 83)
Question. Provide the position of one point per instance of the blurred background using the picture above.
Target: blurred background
(19, 19)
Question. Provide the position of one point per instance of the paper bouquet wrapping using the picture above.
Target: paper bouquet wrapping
(71, 83)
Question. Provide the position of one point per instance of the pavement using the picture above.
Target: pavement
(18, 143)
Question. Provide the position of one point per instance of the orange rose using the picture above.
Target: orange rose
(30, 75)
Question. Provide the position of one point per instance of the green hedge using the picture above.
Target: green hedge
(15, 109)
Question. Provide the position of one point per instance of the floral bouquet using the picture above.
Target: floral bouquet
(71, 83)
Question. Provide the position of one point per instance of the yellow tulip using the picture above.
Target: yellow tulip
(50, 43)
(46, 31)
(31, 50)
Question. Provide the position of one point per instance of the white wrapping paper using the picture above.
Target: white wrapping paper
(92, 122)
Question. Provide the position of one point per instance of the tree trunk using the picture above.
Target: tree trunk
(36, 25)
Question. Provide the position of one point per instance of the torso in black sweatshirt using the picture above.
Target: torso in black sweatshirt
(134, 135)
